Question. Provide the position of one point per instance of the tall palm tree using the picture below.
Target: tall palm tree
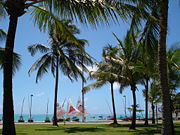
(148, 41)
(62, 54)
(93, 12)
(129, 54)
(107, 73)
(147, 65)
(167, 123)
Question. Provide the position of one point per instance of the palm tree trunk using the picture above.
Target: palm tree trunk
(156, 114)
(167, 124)
(8, 111)
(113, 104)
(146, 102)
(56, 91)
(133, 123)
(153, 119)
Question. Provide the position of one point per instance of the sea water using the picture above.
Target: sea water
(91, 117)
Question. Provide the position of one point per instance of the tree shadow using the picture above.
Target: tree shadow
(147, 131)
(48, 129)
(82, 129)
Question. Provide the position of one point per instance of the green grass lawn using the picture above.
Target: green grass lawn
(92, 129)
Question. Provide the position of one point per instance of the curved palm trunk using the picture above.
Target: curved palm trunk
(167, 124)
(113, 104)
(8, 111)
(133, 123)
(55, 96)
(153, 114)
(146, 103)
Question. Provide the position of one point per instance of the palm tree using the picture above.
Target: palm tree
(129, 54)
(148, 43)
(167, 123)
(61, 54)
(147, 65)
(153, 97)
(106, 73)
(93, 12)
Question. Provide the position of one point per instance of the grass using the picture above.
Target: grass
(93, 129)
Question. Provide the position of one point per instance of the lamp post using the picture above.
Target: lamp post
(21, 119)
(30, 116)
(83, 112)
(125, 105)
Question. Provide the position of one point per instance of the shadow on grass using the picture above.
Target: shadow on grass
(48, 129)
(17, 133)
(141, 129)
(73, 129)
(82, 129)
(137, 125)
(147, 131)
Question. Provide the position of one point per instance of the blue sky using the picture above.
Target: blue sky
(24, 85)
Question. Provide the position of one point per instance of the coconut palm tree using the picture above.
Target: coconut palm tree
(62, 54)
(106, 73)
(103, 77)
(129, 54)
(147, 65)
(167, 124)
(148, 42)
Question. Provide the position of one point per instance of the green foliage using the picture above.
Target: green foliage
(128, 56)
(70, 55)
(173, 62)
(16, 60)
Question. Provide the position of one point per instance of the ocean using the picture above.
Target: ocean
(91, 117)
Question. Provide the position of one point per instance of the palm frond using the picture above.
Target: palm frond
(43, 68)
(97, 84)
(2, 9)
(2, 35)
(38, 63)
(16, 60)
(46, 19)
(38, 47)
